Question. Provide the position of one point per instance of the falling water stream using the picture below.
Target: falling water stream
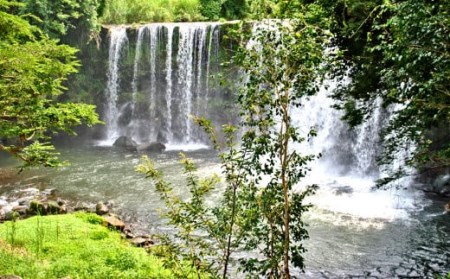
(356, 232)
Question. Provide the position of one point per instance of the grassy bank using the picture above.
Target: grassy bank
(75, 246)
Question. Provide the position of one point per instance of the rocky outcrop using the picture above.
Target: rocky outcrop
(101, 208)
(30, 202)
(112, 221)
(438, 185)
(151, 147)
(143, 241)
(126, 143)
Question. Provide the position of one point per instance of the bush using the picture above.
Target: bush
(211, 9)
(143, 11)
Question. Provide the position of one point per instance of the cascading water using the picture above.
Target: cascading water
(170, 82)
(347, 169)
(118, 38)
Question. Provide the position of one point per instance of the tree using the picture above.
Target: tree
(261, 208)
(282, 67)
(58, 18)
(33, 69)
(227, 224)
(399, 51)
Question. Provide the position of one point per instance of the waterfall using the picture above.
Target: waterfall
(185, 61)
(171, 64)
(118, 37)
(169, 82)
(347, 169)
(134, 125)
(213, 41)
(154, 36)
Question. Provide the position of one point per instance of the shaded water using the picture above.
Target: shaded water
(342, 245)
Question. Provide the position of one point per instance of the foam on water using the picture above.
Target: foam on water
(186, 147)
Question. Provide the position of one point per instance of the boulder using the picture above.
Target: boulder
(50, 192)
(125, 142)
(25, 200)
(3, 202)
(338, 191)
(111, 221)
(142, 241)
(127, 232)
(37, 208)
(53, 208)
(82, 207)
(21, 209)
(11, 215)
(101, 209)
(152, 147)
(441, 185)
(62, 209)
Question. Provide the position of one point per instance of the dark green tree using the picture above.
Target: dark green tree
(59, 18)
(33, 70)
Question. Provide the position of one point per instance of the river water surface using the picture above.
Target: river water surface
(353, 233)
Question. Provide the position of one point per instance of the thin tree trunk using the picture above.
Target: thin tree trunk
(284, 181)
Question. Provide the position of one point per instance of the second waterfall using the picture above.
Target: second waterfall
(158, 76)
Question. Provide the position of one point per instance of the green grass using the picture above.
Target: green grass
(73, 245)
(143, 11)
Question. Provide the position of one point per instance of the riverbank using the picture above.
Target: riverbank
(76, 245)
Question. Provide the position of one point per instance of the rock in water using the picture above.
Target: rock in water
(112, 221)
(152, 147)
(101, 209)
(37, 208)
(142, 241)
(125, 142)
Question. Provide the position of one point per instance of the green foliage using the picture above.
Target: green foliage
(282, 66)
(70, 246)
(57, 18)
(399, 52)
(33, 71)
(190, 217)
(234, 9)
(135, 11)
(226, 224)
(12, 27)
(140, 11)
(211, 9)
